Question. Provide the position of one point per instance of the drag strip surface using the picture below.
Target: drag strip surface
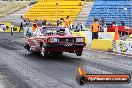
(33, 71)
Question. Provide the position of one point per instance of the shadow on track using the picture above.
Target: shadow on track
(61, 58)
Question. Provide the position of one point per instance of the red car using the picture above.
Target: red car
(122, 29)
(129, 31)
(55, 40)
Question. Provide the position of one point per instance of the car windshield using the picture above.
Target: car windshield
(54, 31)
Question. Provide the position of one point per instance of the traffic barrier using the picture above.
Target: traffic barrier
(123, 47)
(101, 44)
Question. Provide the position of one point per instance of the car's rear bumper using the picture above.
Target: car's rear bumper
(65, 47)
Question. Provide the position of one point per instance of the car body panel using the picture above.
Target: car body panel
(123, 29)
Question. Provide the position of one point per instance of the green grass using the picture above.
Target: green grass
(8, 7)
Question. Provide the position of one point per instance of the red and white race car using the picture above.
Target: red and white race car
(121, 29)
(55, 40)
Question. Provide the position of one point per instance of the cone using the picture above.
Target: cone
(116, 37)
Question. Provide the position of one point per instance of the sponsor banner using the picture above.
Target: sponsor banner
(124, 47)
(104, 78)
(6, 27)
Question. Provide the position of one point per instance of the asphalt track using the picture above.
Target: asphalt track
(19, 69)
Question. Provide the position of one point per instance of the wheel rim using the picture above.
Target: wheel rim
(42, 51)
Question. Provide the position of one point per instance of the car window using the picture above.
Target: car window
(54, 31)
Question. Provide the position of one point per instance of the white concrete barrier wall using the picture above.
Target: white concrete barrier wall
(89, 36)
(124, 47)
(102, 35)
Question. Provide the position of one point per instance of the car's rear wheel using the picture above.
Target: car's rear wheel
(44, 53)
(78, 53)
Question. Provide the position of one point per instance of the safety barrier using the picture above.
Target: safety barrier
(6, 27)
(107, 35)
(101, 44)
(88, 35)
(123, 47)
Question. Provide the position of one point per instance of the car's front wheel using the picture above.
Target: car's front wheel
(78, 53)
(43, 52)
(30, 50)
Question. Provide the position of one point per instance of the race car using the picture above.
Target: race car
(129, 38)
(122, 29)
(55, 41)
(129, 31)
